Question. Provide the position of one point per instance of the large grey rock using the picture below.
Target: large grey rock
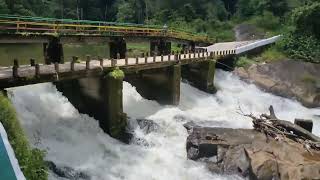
(287, 78)
(67, 172)
(251, 154)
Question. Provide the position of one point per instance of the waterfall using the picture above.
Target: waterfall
(75, 140)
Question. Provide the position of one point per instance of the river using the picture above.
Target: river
(75, 140)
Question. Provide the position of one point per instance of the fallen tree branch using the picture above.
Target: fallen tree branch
(276, 128)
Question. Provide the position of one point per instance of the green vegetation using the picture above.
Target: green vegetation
(31, 160)
(271, 54)
(307, 78)
(215, 18)
(117, 73)
(244, 61)
(302, 41)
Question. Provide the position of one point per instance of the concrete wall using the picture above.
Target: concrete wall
(162, 84)
(200, 75)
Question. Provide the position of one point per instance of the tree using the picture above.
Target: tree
(3, 7)
(126, 12)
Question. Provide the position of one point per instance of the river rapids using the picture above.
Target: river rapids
(75, 140)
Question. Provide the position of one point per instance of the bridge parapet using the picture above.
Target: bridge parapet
(39, 73)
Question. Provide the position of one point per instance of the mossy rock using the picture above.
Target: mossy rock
(116, 73)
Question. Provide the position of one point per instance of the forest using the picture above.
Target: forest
(298, 19)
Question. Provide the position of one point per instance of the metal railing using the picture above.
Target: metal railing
(40, 25)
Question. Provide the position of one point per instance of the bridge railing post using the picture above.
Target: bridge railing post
(72, 65)
(16, 62)
(101, 61)
(37, 70)
(146, 58)
(154, 57)
(176, 56)
(56, 67)
(15, 68)
(32, 62)
(126, 58)
(88, 62)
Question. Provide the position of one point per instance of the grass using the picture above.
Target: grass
(244, 61)
(272, 54)
(308, 78)
(31, 160)
(136, 49)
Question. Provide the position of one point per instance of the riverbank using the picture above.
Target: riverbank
(287, 78)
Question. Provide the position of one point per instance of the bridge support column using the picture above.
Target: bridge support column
(160, 47)
(118, 46)
(162, 85)
(201, 75)
(100, 98)
(53, 51)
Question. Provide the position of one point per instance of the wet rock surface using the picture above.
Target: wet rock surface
(251, 154)
(147, 126)
(287, 78)
(67, 172)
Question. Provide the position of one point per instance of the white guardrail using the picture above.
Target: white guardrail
(10, 169)
(257, 44)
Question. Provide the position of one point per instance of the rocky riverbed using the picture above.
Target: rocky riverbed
(251, 154)
(288, 78)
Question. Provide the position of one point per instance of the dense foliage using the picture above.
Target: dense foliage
(214, 17)
(217, 18)
(30, 159)
(303, 40)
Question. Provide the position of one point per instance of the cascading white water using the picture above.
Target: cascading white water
(75, 140)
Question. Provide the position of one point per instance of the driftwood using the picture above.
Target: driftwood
(280, 129)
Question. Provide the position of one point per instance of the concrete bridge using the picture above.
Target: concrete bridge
(94, 86)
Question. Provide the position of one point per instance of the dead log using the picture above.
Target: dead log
(295, 129)
(280, 129)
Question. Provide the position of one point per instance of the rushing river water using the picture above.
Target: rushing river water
(75, 140)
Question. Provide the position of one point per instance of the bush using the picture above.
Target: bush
(244, 61)
(266, 21)
(302, 47)
(30, 160)
(272, 54)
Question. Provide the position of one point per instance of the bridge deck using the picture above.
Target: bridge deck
(56, 72)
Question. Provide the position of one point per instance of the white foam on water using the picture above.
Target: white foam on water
(75, 140)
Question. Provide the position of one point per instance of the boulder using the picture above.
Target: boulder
(252, 154)
(281, 78)
(148, 126)
(304, 123)
(67, 172)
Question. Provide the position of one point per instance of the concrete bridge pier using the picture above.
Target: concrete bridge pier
(53, 51)
(118, 45)
(160, 47)
(162, 84)
(200, 75)
(100, 98)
